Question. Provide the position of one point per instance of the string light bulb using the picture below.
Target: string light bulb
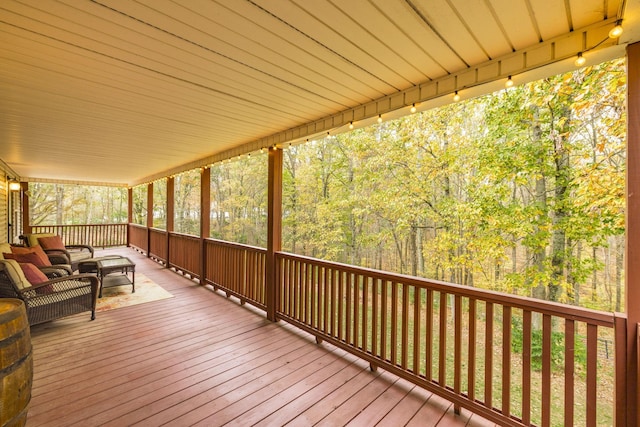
(379, 118)
(350, 125)
(413, 108)
(580, 60)
(509, 82)
(616, 31)
(456, 97)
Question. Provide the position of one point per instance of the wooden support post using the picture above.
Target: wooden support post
(170, 214)
(26, 225)
(149, 216)
(205, 220)
(632, 258)
(129, 214)
(274, 230)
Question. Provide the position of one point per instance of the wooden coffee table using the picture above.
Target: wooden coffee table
(115, 272)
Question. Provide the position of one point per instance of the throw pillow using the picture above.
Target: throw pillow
(33, 273)
(28, 257)
(44, 259)
(53, 242)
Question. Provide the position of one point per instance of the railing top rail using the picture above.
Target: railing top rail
(232, 244)
(525, 303)
(111, 224)
(187, 236)
(157, 230)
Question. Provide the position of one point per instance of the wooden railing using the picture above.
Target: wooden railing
(184, 253)
(516, 361)
(239, 270)
(513, 360)
(139, 237)
(98, 235)
(158, 245)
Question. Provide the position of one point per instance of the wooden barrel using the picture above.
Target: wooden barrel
(16, 363)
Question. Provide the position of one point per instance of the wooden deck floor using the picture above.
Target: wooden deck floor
(201, 359)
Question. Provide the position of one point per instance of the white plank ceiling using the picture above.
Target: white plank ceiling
(120, 91)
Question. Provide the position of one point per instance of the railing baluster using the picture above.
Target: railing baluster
(471, 363)
(592, 371)
(442, 356)
(325, 300)
(417, 304)
(374, 317)
(340, 306)
(429, 337)
(526, 367)
(394, 323)
(349, 295)
(356, 309)
(457, 361)
(506, 361)
(546, 370)
(333, 317)
(383, 320)
(365, 311)
(569, 367)
(405, 327)
(488, 357)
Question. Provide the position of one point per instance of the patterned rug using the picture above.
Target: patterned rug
(121, 296)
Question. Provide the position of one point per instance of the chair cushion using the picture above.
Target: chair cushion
(27, 257)
(32, 239)
(51, 242)
(4, 248)
(15, 273)
(32, 273)
(44, 259)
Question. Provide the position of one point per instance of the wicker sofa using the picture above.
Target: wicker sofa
(52, 299)
(63, 254)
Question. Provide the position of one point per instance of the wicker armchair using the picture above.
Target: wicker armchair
(66, 254)
(53, 299)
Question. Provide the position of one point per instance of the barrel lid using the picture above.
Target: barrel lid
(10, 309)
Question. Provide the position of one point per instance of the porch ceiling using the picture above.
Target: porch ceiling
(117, 91)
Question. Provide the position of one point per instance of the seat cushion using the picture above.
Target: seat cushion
(44, 259)
(51, 242)
(15, 273)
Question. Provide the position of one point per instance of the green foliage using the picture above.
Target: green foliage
(187, 202)
(239, 200)
(517, 191)
(66, 204)
(557, 348)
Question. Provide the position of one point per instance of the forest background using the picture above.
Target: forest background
(520, 191)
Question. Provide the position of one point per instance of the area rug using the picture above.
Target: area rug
(121, 296)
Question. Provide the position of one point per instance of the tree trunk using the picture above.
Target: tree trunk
(562, 178)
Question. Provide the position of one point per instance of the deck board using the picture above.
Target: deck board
(200, 358)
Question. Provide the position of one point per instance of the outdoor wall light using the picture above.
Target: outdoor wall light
(14, 186)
